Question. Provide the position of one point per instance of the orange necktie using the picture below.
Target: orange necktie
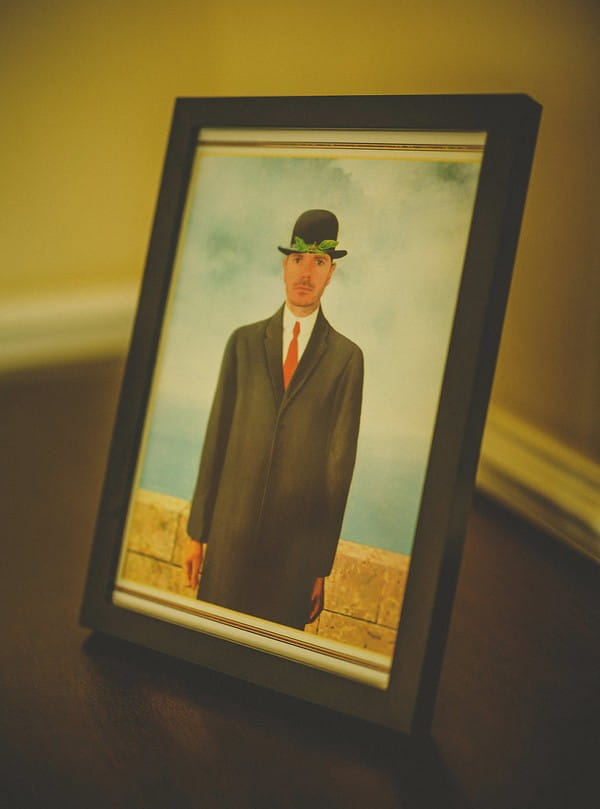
(291, 360)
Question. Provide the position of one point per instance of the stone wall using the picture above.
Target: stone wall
(363, 594)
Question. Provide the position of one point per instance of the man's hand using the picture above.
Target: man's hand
(317, 599)
(192, 563)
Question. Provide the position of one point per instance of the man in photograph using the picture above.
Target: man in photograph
(280, 448)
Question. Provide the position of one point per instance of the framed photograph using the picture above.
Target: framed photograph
(302, 407)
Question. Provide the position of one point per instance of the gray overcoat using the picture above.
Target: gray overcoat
(275, 470)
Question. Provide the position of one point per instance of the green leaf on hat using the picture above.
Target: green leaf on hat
(300, 246)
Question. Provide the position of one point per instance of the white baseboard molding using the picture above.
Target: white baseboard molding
(520, 466)
(51, 329)
(542, 479)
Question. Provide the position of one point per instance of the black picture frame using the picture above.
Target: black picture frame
(508, 125)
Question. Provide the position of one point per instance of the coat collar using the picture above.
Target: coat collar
(309, 360)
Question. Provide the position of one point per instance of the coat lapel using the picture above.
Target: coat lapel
(273, 340)
(311, 357)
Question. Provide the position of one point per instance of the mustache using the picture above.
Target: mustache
(304, 285)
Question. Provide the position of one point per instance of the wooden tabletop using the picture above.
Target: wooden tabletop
(88, 721)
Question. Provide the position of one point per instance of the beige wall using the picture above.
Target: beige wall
(88, 87)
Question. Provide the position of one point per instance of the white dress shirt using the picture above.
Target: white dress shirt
(307, 324)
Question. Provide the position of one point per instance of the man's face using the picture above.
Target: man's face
(305, 276)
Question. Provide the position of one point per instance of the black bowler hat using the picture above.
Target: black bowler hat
(315, 232)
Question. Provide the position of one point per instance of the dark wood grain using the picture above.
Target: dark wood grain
(518, 713)
(89, 721)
